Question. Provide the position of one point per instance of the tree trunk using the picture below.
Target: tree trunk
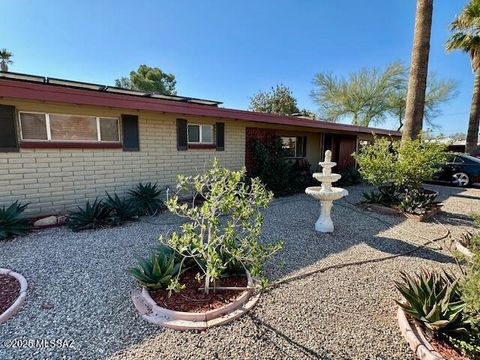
(472, 134)
(417, 82)
(4, 66)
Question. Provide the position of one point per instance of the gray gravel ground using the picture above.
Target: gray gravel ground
(341, 312)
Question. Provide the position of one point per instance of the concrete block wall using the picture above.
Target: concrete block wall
(56, 180)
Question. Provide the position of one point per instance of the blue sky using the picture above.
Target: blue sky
(228, 50)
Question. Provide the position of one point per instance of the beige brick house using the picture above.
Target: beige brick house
(64, 142)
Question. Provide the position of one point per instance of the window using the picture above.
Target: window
(458, 160)
(73, 128)
(289, 144)
(200, 134)
(34, 126)
(295, 145)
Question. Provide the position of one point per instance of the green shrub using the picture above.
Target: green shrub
(92, 216)
(281, 175)
(471, 283)
(120, 209)
(158, 271)
(146, 198)
(476, 218)
(470, 287)
(224, 231)
(350, 176)
(11, 221)
(435, 300)
(469, 345)
(404, 164)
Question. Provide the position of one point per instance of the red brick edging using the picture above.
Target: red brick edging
(12, 310)
(178, 320)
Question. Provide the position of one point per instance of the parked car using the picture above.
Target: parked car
(460, 170)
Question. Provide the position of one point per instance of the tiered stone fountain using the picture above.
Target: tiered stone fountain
(326, 193)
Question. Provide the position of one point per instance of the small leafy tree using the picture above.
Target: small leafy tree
(362, 97)
(149, 79)
(225, 229)
(279, 100)
(371, 95)
(405, 165)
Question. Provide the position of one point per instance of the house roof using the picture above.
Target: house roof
(22, 86)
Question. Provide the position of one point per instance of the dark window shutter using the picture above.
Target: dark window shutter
(182, 135)
(8, 133)
(220, 135)
(304, 150)
(131, 140)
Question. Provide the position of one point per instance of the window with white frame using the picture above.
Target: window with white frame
(200, 134)
(59, 127)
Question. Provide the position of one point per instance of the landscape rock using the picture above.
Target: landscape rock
(46, 221)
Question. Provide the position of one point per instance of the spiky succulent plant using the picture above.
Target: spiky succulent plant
(11, 221)
(121, 209)
(146, 197)
(157, 271)
(434, 299)
(92, 216)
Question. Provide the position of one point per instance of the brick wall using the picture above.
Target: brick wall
(55, 180)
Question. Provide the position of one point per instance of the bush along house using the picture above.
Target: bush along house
(64, 142)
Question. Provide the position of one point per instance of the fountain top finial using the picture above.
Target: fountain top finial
(328, 156)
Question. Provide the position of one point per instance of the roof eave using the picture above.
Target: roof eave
(51, 93)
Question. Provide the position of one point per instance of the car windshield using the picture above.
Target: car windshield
(471, 158)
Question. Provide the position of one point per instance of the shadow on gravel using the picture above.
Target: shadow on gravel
(293, 221)
(265, 328)
(445, 191)
(449, 218)
(467, 196)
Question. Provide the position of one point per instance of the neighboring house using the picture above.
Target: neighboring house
(63, 142)
(457, 146)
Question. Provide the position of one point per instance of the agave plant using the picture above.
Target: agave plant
(372, 197)
(11, 222)
(121, 210)
(417, 201)
(146, 197)
(91, 216)
(158, 271)
(435, 300)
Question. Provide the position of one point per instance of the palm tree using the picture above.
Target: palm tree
(417, 83)
(5, 59)
(466, 37)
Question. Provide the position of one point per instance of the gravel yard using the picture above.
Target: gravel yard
(79, 289)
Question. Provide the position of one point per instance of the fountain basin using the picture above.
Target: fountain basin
(318, 193)
(327, 164)
(327, 177)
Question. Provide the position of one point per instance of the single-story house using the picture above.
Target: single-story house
(63, 142)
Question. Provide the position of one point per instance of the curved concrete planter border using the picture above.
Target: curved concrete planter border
(413, 333)
(12, 310)
(463, 250)
(178, 320)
